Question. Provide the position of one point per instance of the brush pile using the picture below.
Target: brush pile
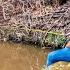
(34, 21)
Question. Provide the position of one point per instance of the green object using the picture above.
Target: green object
(55, 38)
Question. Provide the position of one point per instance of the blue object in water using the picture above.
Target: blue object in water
(58, 55)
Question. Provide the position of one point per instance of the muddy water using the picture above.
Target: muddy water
(21, 56)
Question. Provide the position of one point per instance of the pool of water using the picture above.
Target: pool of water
(15, 56)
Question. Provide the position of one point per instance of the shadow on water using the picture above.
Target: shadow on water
(14, 56)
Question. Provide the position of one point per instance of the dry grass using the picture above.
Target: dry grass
(61, 66)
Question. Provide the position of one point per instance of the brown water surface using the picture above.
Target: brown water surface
(21, 56)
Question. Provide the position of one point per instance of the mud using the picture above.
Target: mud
(21, 57)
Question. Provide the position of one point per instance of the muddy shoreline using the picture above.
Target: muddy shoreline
(21, 56)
